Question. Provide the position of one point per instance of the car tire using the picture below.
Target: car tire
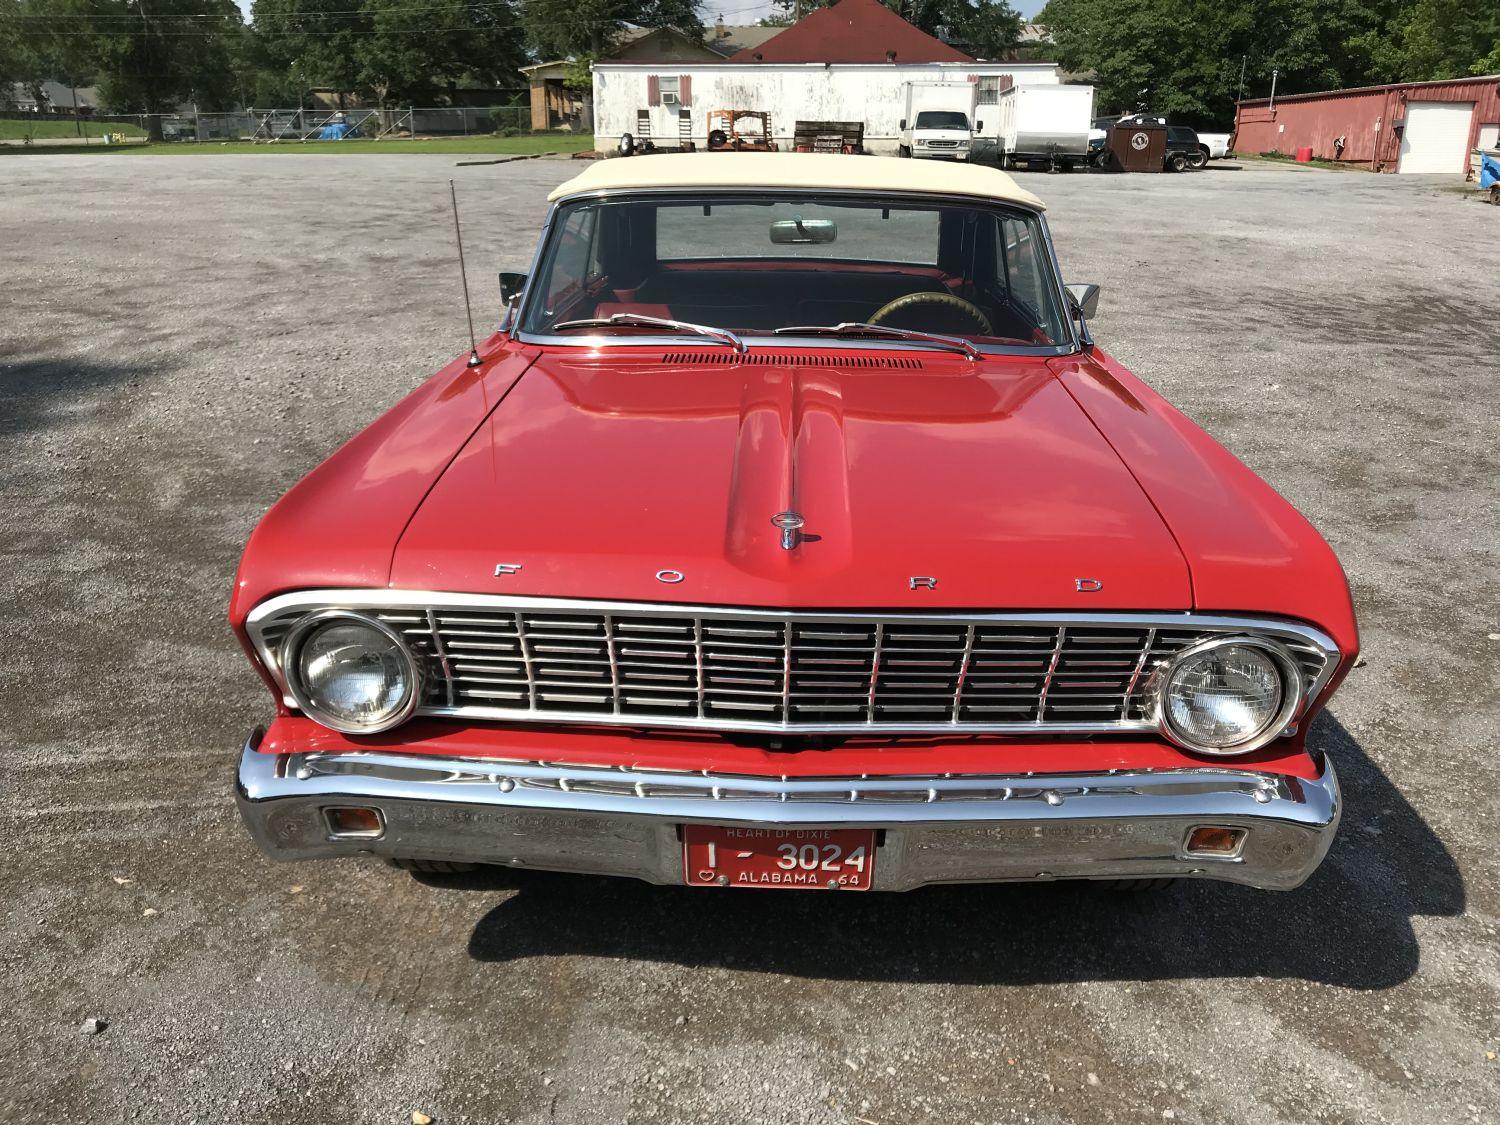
(1138, 886)
(1177, 162)
(1199, 160)
(432, 866)
(627, 145)
(903, 152)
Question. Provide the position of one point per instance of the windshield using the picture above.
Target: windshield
(754, 266)
(941, 119)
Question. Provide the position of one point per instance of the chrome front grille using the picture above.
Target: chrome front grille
(550, 660)
(789, 672)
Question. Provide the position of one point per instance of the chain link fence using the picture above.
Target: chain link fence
(266, 126)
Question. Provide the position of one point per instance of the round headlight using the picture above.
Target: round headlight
(1229, 696)
(350, 672)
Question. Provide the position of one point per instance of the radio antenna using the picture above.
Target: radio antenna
(458, 237)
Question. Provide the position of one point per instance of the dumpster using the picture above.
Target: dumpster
(1137, 147)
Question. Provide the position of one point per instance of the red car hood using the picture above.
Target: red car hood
(597, 474)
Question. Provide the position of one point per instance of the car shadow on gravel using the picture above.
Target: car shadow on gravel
(1349, 925)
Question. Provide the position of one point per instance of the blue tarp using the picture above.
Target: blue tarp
(338, 131)
(1489, 171)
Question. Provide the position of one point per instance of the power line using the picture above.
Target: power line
(470, 27)
(133, 17)
(298, 22)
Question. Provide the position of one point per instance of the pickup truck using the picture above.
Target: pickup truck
(1215, 146)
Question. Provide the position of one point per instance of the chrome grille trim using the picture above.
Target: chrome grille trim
(553, 660)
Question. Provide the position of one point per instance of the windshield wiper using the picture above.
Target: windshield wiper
(854, 328)
(640, 320)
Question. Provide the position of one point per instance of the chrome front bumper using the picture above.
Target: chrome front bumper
(941, 829)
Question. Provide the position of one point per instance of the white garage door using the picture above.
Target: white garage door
(1436, 138)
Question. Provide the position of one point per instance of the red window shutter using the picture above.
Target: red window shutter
(685, 89)
(653, 90)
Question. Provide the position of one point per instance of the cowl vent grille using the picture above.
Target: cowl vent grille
(794, 359)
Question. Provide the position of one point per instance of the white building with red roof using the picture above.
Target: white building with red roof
(851, 62)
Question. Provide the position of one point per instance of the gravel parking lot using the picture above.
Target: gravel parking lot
(182, 339)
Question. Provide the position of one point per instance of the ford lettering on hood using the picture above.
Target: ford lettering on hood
(594, 475)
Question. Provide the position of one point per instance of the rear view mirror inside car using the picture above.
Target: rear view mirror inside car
(804, 230)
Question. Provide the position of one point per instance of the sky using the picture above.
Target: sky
(749, 11)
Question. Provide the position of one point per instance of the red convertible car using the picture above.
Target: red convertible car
(792, 532)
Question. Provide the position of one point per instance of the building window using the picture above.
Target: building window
(673, 90)
(989, 90)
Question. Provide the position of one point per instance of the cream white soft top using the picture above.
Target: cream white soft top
(813, 171)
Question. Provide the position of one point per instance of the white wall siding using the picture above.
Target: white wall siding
(789, 92)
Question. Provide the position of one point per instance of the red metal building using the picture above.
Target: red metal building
(1403, 127)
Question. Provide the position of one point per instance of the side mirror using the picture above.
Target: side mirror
(979, 126)
(1084, 299)
(511, 285)
(903, 123)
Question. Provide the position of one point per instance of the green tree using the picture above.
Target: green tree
(413, 55)
(1433, 39)
(145, 57)
(984, 28)
(784, 13)
(42, 40)
(314, 42)
(1183, 57)
(395, 51)
(561, 28)
(15, 63)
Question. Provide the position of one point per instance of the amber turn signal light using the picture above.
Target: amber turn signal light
(352, 822)
(1215, 839)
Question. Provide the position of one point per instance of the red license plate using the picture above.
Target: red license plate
(797, 859)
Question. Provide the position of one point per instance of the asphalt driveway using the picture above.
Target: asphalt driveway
(181, 340)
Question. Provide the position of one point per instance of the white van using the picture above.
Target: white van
(937, 123)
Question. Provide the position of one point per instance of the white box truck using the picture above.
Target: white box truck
(1039, 125)
(936, 123)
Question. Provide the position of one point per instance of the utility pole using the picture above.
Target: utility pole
(1240, 93)
(156, 134)
(1273, 90)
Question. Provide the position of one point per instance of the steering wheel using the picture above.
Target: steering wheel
(944, 300)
